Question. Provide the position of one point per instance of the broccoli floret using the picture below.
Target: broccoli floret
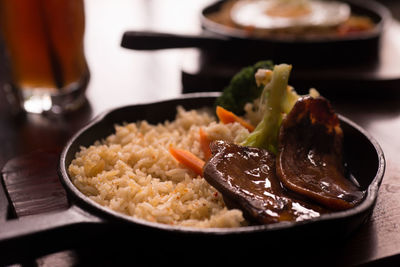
(277, 99)
(242, 88)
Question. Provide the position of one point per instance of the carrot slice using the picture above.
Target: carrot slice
(225, 116)
(205, 144)
(188, 159)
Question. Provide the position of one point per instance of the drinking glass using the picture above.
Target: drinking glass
(44, 45)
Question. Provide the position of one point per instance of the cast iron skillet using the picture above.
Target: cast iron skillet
(229, 43)
(85, 218)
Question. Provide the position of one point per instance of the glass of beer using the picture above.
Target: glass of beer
(44, 42)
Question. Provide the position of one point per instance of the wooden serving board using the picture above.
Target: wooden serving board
(32, 184)
(202, 72)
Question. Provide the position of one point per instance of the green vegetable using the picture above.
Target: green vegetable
(277, 99)
(242, 88)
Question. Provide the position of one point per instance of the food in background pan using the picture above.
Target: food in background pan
(227, 170)
(298, 18)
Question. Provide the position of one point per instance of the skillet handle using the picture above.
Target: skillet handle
(147, 40)
(36, 235)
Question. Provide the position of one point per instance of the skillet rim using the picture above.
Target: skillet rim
(78, 198)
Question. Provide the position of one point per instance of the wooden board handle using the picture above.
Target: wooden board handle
(36, 235)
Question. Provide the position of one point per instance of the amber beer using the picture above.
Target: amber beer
(44, 41)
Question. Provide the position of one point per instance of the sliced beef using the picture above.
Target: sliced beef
(310, 156)
(247, 179)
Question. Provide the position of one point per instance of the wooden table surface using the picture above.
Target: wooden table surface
(120, 77)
